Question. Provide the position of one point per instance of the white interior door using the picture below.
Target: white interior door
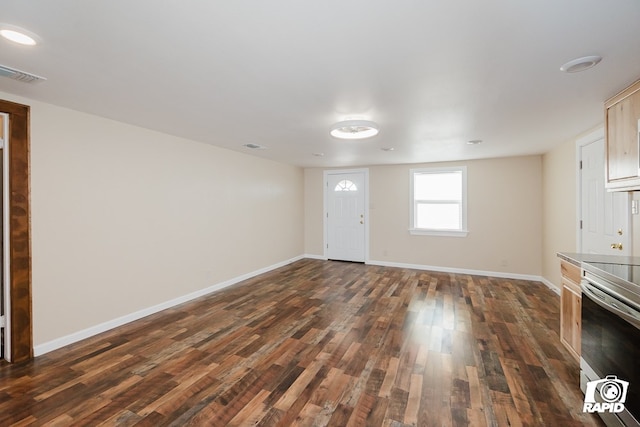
(345, 216)
(605, 215)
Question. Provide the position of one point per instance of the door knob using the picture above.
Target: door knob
(616, 246)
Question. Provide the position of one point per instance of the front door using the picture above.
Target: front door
(346, 216)
(605, 215)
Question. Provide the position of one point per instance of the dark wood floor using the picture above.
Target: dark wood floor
(318, 343)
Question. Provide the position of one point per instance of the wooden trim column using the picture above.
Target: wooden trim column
(19, 232)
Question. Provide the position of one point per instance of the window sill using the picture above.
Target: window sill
(445, 233)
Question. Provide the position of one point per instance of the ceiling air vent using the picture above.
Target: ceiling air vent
(21, 76)
(254, 146)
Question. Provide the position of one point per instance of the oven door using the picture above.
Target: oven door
(611, 343)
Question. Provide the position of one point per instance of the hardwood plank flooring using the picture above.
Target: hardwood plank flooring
(318, 343)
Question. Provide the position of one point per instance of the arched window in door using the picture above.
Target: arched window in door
(346, 185)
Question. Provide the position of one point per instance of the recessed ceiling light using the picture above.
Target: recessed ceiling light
(474, 142)
(354, 129)
(581, 64)
(18, 35)
(318, 154)
(387, 148)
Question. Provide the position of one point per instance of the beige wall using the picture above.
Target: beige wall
(124, 218)
(559, 207)
(504, 218)
(313, 210)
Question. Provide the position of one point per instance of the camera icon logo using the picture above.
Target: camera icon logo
(605, 395)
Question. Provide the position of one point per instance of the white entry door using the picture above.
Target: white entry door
(346, 216)
(605, 215)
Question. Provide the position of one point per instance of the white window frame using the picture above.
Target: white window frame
(463, 231)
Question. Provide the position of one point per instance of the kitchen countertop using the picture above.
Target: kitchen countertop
(578, 259)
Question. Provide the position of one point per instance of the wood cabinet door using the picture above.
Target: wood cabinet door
(622, 132)
(623, 150)
(570, 319)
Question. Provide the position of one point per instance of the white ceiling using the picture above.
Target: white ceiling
(432, 74)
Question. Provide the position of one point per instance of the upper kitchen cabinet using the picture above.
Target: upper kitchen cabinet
(622, 113)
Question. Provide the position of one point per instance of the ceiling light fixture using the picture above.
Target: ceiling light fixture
(581, 64)
(18, 35)
(354, 129)
(474, 142)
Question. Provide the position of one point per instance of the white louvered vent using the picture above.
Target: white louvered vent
(22, 76)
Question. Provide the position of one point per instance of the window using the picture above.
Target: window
(345, 185)
(438, 201)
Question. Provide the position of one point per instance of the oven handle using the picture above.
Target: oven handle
(588, 289)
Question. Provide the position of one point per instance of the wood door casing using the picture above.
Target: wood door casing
(19, 231)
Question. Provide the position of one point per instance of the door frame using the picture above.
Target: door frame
(581, 142)
(19, 317)
(4, 270)
(325, 211)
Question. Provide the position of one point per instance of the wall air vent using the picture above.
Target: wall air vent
(21, 76)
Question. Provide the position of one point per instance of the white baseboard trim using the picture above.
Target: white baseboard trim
(111, 324)
(550, 285)
(57, 343)
(498, 274)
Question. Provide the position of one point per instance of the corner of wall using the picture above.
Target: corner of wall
(558, 208)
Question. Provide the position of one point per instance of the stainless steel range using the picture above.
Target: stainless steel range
(610, 356)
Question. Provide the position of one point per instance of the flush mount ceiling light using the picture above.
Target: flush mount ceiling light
(474, 142)
(581, 64)
(354, 129)
(18, 35)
